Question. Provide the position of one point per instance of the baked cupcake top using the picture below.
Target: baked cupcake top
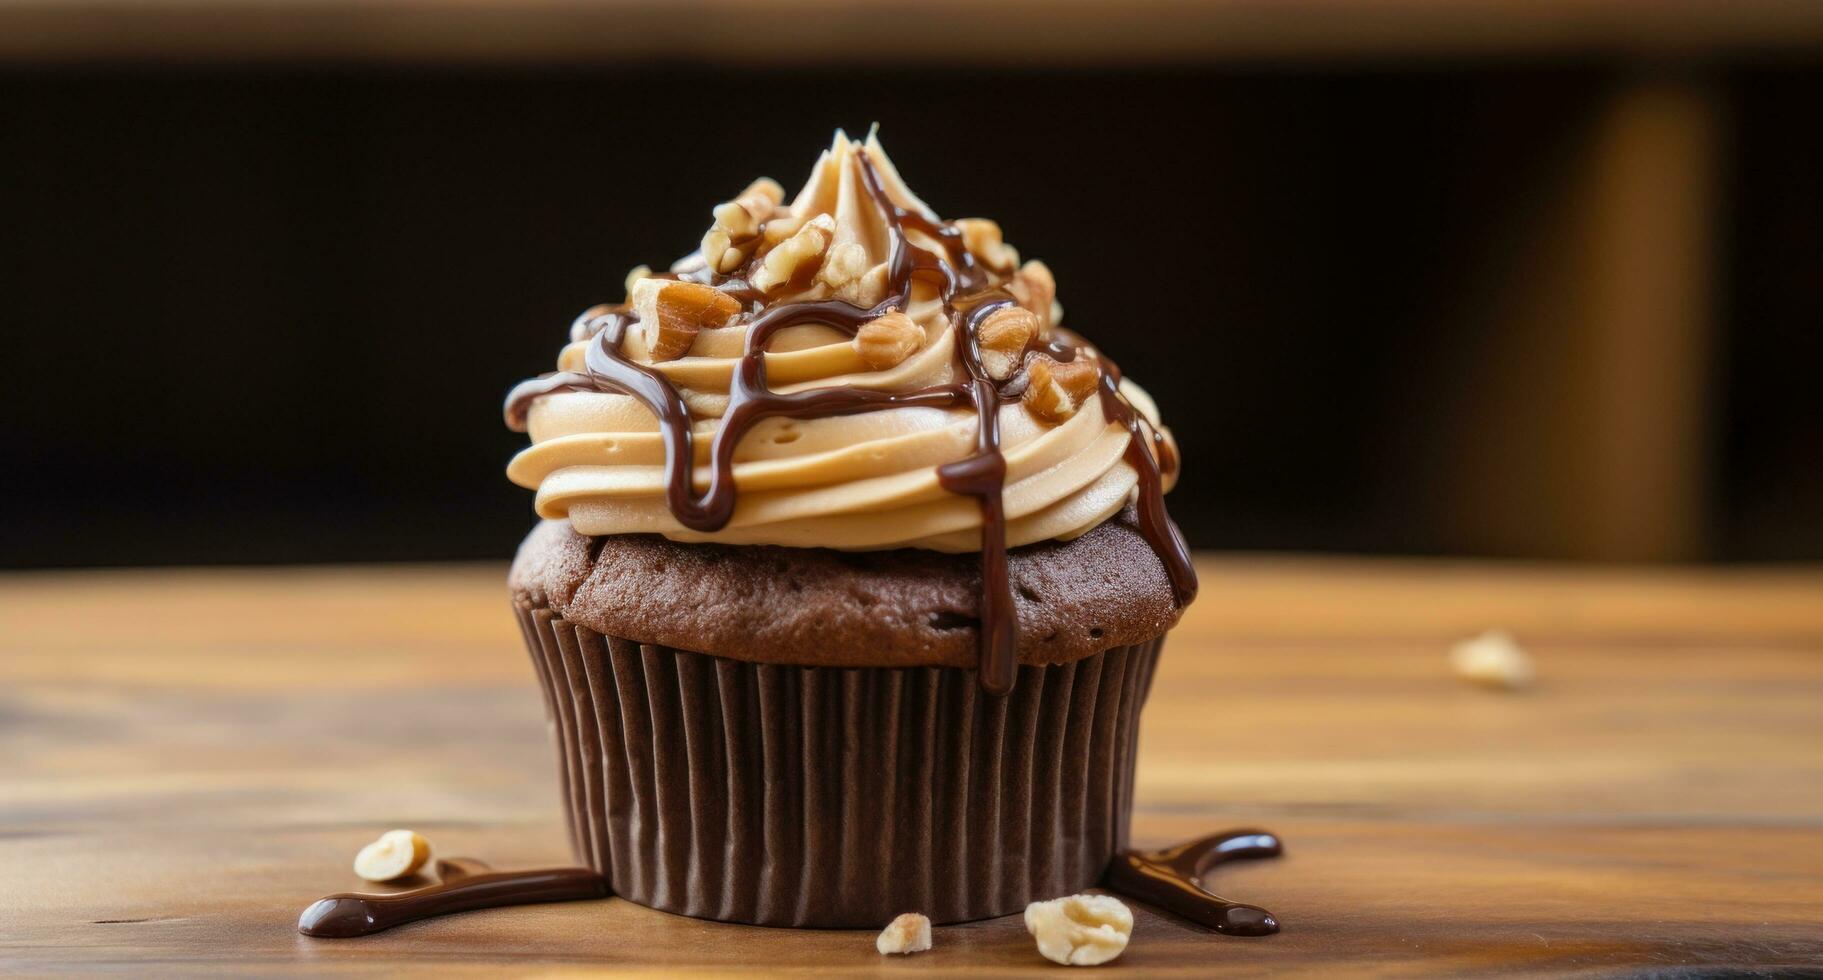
(846, 370)
(815, 607)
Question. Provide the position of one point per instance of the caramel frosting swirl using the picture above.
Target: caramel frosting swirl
(861, 481)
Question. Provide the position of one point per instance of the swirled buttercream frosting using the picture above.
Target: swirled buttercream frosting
(846, 370)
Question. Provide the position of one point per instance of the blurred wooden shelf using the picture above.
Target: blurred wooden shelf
(189, 757)
(797, 32)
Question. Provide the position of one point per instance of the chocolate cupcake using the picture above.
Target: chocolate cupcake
(854, 569)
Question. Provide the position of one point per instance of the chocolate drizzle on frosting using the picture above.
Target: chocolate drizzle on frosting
(960, 282)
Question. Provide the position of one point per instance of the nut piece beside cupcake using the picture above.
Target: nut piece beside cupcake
(396, 854)
(909, 933)
(1080, 930)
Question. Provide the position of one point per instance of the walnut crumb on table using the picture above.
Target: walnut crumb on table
(1080, 930)
(909, 933)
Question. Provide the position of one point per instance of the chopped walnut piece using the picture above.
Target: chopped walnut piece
(1493, 659)
(885, 342)
(846, 272)
(767, 188)
(868, 290)
(846, 263)
(909, 933)
(679, 311)
(795, 257)
(1002, 337)
(736, 230)
(1036, 290)
(720, 252)
(743, 215)
(843, 266)
(1080, 930)
(783, 225)
(982, 238)
(1057, 388)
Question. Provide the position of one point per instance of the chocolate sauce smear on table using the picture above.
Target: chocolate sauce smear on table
(982, 476)
(1171, 880)
(466, 885)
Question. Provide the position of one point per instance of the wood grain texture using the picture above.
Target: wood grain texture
(187, 758)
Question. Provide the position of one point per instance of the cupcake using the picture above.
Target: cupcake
(853, 571)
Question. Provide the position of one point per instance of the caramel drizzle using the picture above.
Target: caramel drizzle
(982, 476)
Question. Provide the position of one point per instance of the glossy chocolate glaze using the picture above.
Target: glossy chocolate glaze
(982, 476)
(465, 885)
(1172, 880)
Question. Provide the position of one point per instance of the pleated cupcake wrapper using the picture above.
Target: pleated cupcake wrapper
(805, 796)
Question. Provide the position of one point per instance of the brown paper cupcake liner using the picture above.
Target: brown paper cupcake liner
(805, 796)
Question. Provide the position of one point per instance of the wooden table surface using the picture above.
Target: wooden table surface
(187, 758)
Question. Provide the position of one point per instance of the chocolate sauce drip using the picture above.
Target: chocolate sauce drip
(982, 476)
(1166, 456)
(1160, 531)
(466, 886)
(1171, 880)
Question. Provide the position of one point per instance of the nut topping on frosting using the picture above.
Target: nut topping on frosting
(796, 258)
(847, 275)
(885, 342)
(982, 238)
(679, 310)
(1036, 290)
(736, 231)
(1003, 338)
(1057, 388)
(845, 264)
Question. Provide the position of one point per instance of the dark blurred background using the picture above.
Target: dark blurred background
(1439, 289)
